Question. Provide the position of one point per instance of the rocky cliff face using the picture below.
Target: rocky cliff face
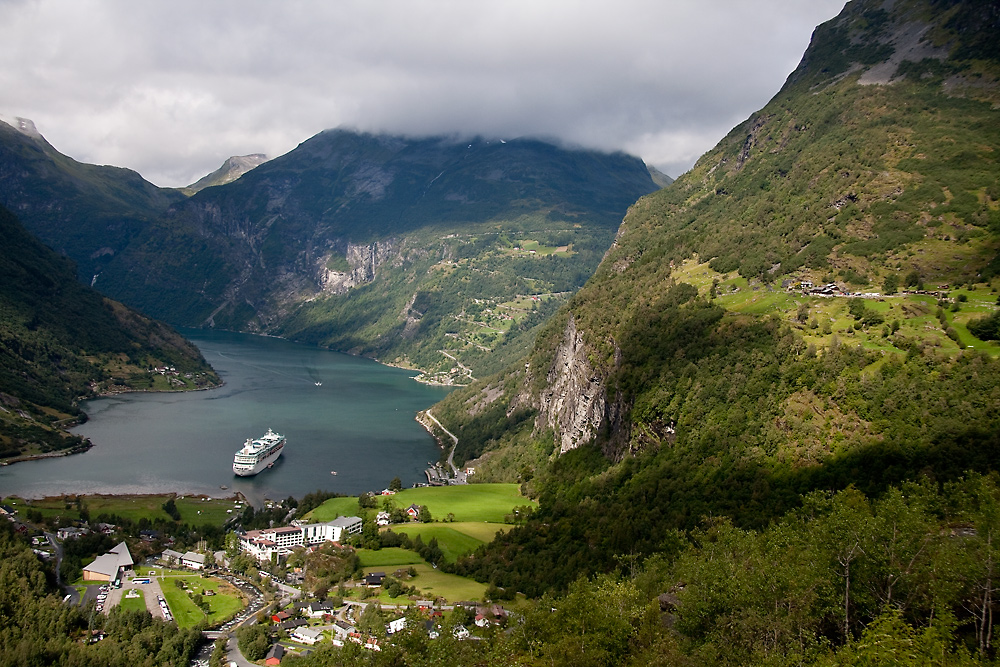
(574, 401)
(363, 259)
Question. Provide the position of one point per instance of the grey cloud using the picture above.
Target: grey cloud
(173, 88)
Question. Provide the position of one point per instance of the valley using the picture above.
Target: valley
(750, 416)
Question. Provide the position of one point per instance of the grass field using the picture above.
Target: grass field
(915, 314)
(454, 539)
(470, 502)
(132, 507)
(185, 612)
(133, 604)
(226, 601)
(388, 557)
(335, 507)
(432, 583)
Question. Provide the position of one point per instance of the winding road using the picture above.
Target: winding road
(451, 455)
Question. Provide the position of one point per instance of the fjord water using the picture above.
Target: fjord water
(358, 422)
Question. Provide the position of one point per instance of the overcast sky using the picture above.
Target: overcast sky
(173, 88)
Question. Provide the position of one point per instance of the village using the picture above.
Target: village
(268, 585)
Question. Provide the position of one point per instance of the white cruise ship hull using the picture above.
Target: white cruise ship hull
(247, 471)
(258, 454)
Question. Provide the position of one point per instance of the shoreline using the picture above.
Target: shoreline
(119, 392)
(48, 455)
(69, 451)
(235, 496)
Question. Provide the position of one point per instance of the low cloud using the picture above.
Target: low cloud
(173, 89)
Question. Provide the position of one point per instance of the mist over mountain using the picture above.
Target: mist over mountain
(706, 370)
(336, 242)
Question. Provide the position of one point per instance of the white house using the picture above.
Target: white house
(397, 625)
(171, 557)
(346, 525)
(258, 547)
(317, 609)
(71, 533)
(307, 635)
(193, 560)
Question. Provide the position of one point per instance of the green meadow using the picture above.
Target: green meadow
(334, 507)
(194, 510)
(432, 583)
(388, 557)
(224, 604)
(137, 603)
(468, 502)
(454, 539)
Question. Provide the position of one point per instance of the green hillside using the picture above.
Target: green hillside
(424, 253)
(696, 376)
(60, 341)
(432, 253)
(87, 212)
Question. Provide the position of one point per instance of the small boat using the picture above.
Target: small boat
(333, 472)
(223, 487)
(318, 384)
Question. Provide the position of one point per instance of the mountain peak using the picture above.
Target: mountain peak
(883, 40)
(23, 125)
(230, 170)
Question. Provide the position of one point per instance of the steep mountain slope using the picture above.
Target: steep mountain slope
(364, 242)
(699, 373)
(86, 212)
(437, 253)
(60, 341)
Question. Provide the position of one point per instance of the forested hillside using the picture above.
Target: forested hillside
(36, 628)
(61, 341)
(438, 253)
(702, 372)
(905, 579)
(86, 212)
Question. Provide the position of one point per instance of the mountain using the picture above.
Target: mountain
(659, 177)
(86, 212)
(437, 253)
(715, 364)
(230, 170)
(61, 341)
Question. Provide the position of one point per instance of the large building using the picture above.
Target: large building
(110, 566)
(269, 543)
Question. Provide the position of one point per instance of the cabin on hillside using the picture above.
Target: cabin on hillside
(374, 579)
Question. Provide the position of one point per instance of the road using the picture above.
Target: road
(233, 654)
(74, 595)
(454, 438)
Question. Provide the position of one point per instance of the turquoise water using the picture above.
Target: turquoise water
(359, 423)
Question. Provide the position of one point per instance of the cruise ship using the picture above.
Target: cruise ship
(258, 454)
